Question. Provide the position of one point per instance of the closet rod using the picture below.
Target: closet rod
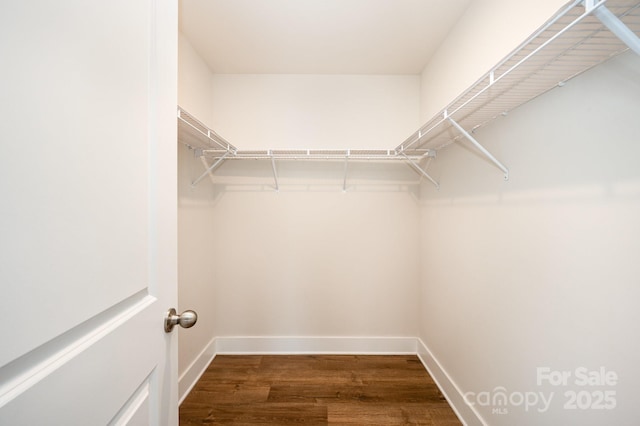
(399, 157)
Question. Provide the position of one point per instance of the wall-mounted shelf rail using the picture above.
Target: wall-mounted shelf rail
(582, 35)
(215, 148)
(195, 134)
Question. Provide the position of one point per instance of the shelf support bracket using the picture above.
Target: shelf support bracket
(477, 144)
(210, 169)
(346, 168)
(275, 174)
(614, 24)
(420, 170)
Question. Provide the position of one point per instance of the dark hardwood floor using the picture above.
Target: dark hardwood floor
(316, 390)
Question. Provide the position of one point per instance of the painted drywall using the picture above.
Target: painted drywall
(195, 212)
(196, 272)
(194, 81)
(487, 32)
(315, 111)
(313, 261)
(541, 271)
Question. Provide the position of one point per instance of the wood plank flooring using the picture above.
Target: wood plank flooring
(316, 390)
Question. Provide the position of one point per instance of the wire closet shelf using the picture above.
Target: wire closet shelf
(582, 35)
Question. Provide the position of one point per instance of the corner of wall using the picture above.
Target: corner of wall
(195, 370)
(465, 412)
(194, 81)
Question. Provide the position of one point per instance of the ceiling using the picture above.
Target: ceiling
(318, 36)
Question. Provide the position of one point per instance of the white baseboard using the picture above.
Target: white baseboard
(192, 374)
(465, 412)
(316, 345)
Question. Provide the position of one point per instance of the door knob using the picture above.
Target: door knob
(186, 319)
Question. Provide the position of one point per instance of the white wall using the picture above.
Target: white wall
(194, 81)
(195, 212)
(315, 111)
(311, 260)
(542, 270)
(487, 32)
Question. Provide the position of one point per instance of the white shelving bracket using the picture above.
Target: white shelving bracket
(346, 168)
(614, 24)
(477, 144)
(420, 170)
(275, 174)
(210, 169)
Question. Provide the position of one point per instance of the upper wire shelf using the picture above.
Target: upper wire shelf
(570, 43)
(197, 135)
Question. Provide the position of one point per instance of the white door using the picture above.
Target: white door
(87, 212)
